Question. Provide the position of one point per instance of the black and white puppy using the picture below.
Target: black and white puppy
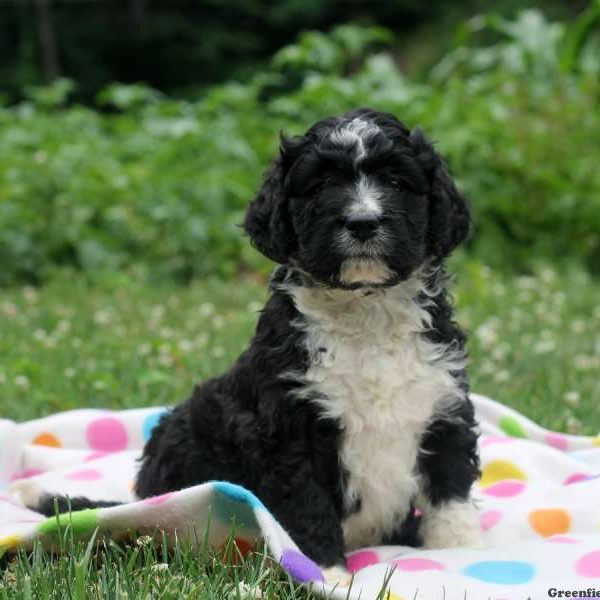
(350, 406)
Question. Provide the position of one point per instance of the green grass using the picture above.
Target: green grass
(117, 342)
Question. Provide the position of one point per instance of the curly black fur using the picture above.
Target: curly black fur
(249, 426)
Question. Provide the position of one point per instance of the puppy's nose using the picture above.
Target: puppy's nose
(362, 227)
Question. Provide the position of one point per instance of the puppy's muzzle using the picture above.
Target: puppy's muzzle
(362, 227)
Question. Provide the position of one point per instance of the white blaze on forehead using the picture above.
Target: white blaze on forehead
(367, 198)
(354, 133)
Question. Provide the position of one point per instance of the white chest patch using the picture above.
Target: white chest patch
(373, 370)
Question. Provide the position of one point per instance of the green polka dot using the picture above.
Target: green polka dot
(82, 522)
(512, 427)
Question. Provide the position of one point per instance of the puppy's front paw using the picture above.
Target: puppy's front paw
(452, 525)
(337, 576)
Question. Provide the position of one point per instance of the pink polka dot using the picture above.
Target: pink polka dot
(488, 440)
(360, 560)
(155, 500)
(97, 455)
(489, 518)
(578, 477)
(108, 434)
(26, 474)
(418, 512)
(418, 564)
(589, 565)
(504, 489)
(557, 440)
(562, 539)
(85, 475)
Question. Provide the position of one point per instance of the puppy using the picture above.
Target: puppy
(350, 406)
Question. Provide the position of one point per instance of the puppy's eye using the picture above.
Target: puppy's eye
(317, 186)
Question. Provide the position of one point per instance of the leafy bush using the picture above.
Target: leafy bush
(161, 184)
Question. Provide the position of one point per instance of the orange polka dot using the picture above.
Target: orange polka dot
(550, 521)
(47, 439)
(230, 553)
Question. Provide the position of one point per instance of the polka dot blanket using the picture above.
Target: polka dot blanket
(539, 498)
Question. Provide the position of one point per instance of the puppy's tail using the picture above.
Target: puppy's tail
(51, 505)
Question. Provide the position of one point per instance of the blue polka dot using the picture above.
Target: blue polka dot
(507, 572)
(150, 422)
(238, 493)
(234, 503)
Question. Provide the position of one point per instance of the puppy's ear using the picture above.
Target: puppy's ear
(268, 222)
(449, 211)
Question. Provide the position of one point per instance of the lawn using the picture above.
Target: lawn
(118, 342)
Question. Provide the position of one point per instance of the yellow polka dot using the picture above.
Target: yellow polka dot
(597, 441)
(499, 470)
(10, 542)
(391, 596)
(550, 521)
(47, 439)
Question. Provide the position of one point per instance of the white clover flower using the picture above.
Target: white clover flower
(63, 327)
(246, 591)
(103, 317)
(9, 309)
(524, 296)
(157, 311)
(202, 340)
(165, 360)
(578, 326)
(145, 540)
(21, 381)
(166, 333)
(144, 349)
(70, 372)
(40, 157)
(498, 289)
(548, 275)
(39, 334)
(487, 334)
(544, 347)
(527, 283)
(586, 363)
(501, 376)
(30, 294)
(572, 397)
(573, 424)
(99, 385)
(501, 351)
(487, 368)
(218, 352)
(185, 345)
(559, 298)
(206, 309)
(218, 321)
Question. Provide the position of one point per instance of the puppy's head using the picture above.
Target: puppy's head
(358, 201)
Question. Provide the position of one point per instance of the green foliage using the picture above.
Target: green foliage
(159, 184)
